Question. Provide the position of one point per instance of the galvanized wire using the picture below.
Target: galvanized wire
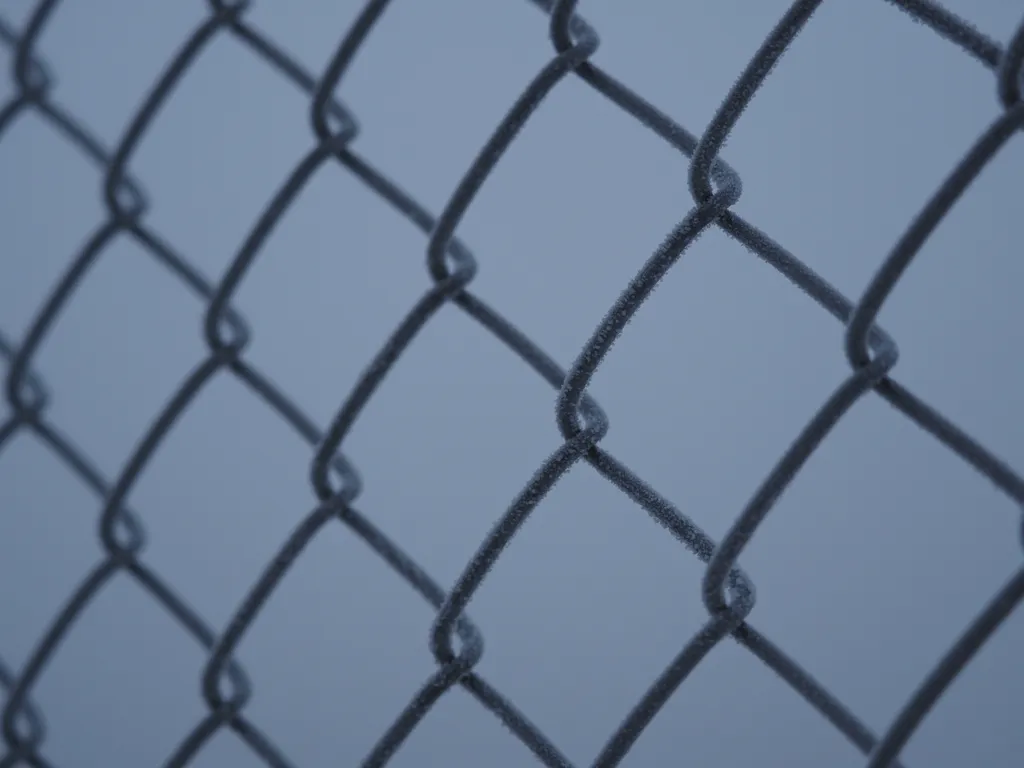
(455, 642)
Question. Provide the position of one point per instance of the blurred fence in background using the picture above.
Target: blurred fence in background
(456, 643)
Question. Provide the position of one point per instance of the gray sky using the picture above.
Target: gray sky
(867, 570)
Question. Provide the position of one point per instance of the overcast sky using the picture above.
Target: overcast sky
(869, 567)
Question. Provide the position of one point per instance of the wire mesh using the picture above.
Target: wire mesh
(455, 642)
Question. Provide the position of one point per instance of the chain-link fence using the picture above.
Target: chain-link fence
(455, 641)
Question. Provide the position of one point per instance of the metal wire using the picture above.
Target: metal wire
(728, 594)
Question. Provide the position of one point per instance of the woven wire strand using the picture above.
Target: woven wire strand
(455, 642)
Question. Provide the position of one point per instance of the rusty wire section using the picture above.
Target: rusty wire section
(728, 594)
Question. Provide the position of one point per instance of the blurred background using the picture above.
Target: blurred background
(870, 566)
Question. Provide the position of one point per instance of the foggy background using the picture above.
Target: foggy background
(870, 566)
